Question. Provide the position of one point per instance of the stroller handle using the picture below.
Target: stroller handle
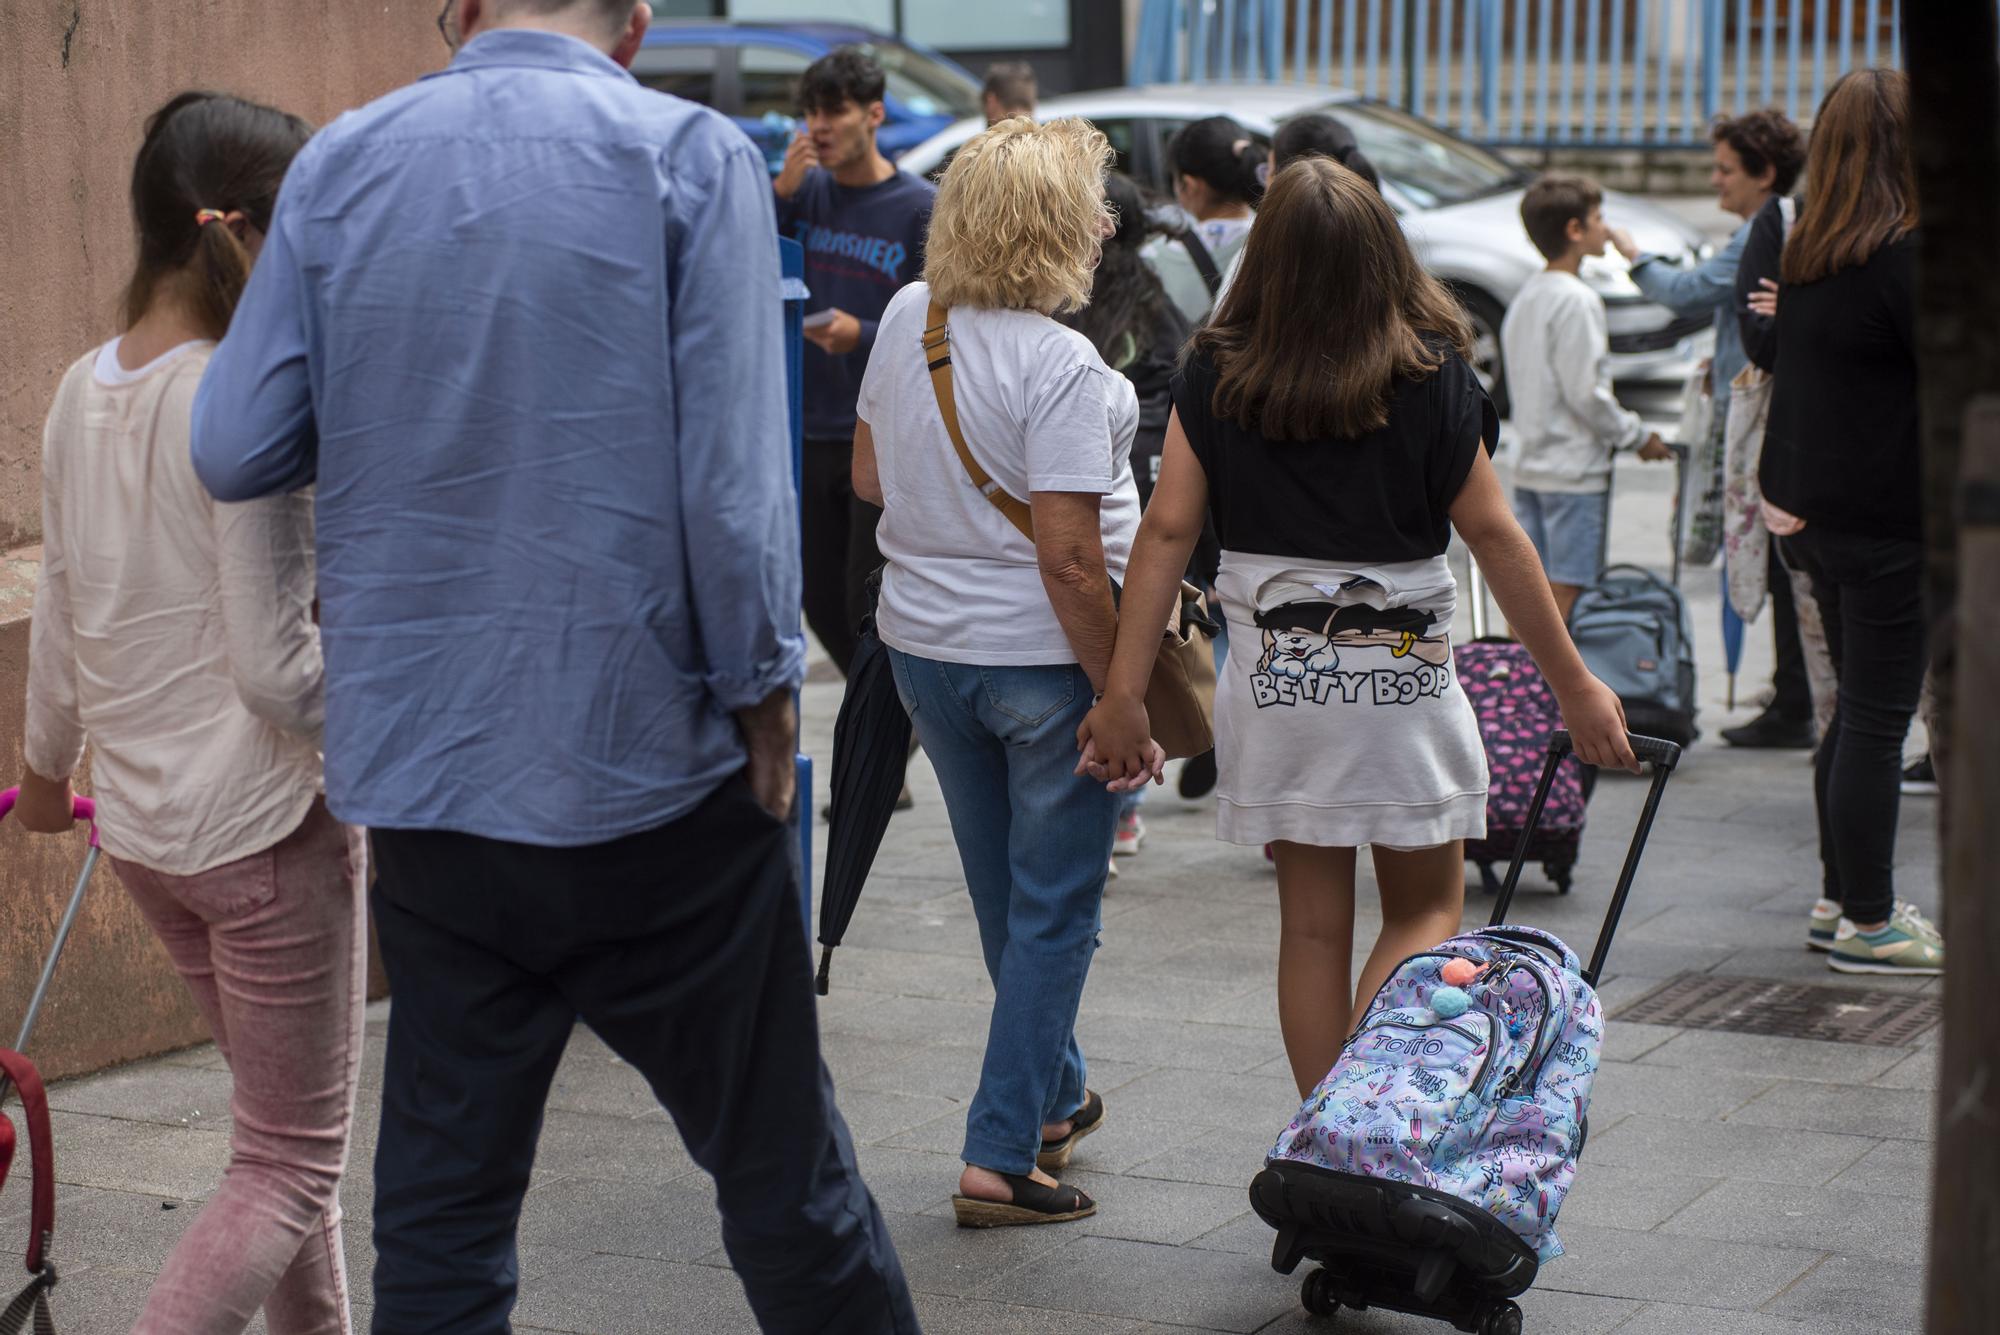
(82, 808)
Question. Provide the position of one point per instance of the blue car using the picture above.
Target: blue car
(750, 72)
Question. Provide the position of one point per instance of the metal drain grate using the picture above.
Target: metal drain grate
(1785, 1010)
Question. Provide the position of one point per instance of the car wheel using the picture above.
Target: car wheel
(1485, 314)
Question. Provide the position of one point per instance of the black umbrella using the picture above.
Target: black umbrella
(871, 748)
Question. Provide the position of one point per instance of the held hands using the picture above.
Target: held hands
(1596, 723)
(800, 157)
(839, 336)
(1655, 449)
(1117, 746)
(1764, 303)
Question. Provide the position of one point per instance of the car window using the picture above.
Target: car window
(1428, 165)
(768, 77)
(1123, 133)
(922, 85)
(684, 71)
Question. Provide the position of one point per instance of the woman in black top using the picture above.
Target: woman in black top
(1841, 467)
(1328, 422)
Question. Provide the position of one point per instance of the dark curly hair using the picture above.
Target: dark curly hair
(1764, 138)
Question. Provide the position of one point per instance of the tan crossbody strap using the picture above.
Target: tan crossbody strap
(937, 354)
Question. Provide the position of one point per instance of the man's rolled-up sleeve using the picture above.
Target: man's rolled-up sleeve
(738, 512)
(254, 431)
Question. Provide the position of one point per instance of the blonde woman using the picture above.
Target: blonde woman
(998, 640)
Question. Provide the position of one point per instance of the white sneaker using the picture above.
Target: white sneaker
(1131, 834)
(1113, 873)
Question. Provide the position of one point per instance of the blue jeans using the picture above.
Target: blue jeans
(1567, 530)
(1035, 841)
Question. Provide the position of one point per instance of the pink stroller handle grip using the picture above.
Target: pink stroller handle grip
(83, 808)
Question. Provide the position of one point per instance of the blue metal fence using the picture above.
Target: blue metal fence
(1622, 73)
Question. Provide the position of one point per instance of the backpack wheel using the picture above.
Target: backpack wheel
(1501, 1319)
(1316, 1294)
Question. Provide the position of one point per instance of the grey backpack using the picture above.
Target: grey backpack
(1633, 631)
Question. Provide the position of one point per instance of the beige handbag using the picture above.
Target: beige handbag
(1180, 695)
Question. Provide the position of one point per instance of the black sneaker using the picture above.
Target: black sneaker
(1769, 732)
(1198, 775)
(1920, 777)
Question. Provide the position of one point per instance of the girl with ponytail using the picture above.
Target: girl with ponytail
(1218, 172)
(175, 636)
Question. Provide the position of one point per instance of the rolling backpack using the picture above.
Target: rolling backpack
(1633, 631)
(1424, 1174)
(1475, 1088)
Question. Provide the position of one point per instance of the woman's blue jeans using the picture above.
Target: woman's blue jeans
(1035, 840)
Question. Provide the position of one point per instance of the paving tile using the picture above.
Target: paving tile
(1228, 1049)
(1889, 1228)
(1669, 1268)
(1623, 1088)
(1855, 1110)
(1673, 1318)
(969, 1315)
(1614, 1196)
(953, 1073)
(1917, 1071)
(1776, 1058)
(875, 1115)
(1122, 1142)
(1242, 1100)
(1148, 993)
(911, 1019)
(1227, 1156)
(612, 1149)
(98, 1298)
(675, 1222)
(939, 1257)
(1142, 1281)
(121, 1230)
(601, 1085)
(625, 1293)
(1856, 1290)
(142, 1157)
(1625, 1042)
(1893, 1168)
(908, 1181)
(172, 1095)
(1143, 1209)
(1672, 1146)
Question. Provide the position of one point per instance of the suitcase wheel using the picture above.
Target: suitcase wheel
(1502, 1318)
(1562, 874)
(1316, 1294)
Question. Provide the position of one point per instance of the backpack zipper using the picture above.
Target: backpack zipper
(1512, 1079)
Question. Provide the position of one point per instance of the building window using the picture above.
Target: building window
(1025, 25)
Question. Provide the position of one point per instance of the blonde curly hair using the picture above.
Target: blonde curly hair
(1016, 224)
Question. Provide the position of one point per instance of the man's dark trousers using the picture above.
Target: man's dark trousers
(683, 948)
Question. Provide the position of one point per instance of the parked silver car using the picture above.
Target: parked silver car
(1459, 204)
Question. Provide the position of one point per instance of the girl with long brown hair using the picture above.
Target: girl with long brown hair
(1841, 478)
(175, 636)
(1329, 423)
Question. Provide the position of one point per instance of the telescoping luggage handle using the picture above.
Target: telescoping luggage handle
(84, 810)
(1663, 756)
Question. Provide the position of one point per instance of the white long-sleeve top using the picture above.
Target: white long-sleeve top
(1557, 348)
(173, 632)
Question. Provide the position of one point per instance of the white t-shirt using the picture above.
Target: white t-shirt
(1040, 412)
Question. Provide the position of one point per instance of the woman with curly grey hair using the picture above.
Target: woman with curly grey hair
(998, 443)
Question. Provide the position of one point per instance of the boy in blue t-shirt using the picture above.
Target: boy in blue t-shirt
(862, 224)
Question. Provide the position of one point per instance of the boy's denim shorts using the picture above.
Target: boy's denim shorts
(1567, 530)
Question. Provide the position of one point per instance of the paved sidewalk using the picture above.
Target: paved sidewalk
(1732, 1184)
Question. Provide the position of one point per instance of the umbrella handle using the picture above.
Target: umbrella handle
(825, 968)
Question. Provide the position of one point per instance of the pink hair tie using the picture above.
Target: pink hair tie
(203, 217)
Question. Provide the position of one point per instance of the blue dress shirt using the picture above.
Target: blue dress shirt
(1709, 286)
(520, 323)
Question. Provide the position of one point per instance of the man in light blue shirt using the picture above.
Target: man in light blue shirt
(520, 324)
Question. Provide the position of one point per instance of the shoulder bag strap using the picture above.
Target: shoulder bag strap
(937, 354)
(1204, 262)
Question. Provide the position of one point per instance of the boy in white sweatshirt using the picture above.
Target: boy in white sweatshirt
(1556, 345)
